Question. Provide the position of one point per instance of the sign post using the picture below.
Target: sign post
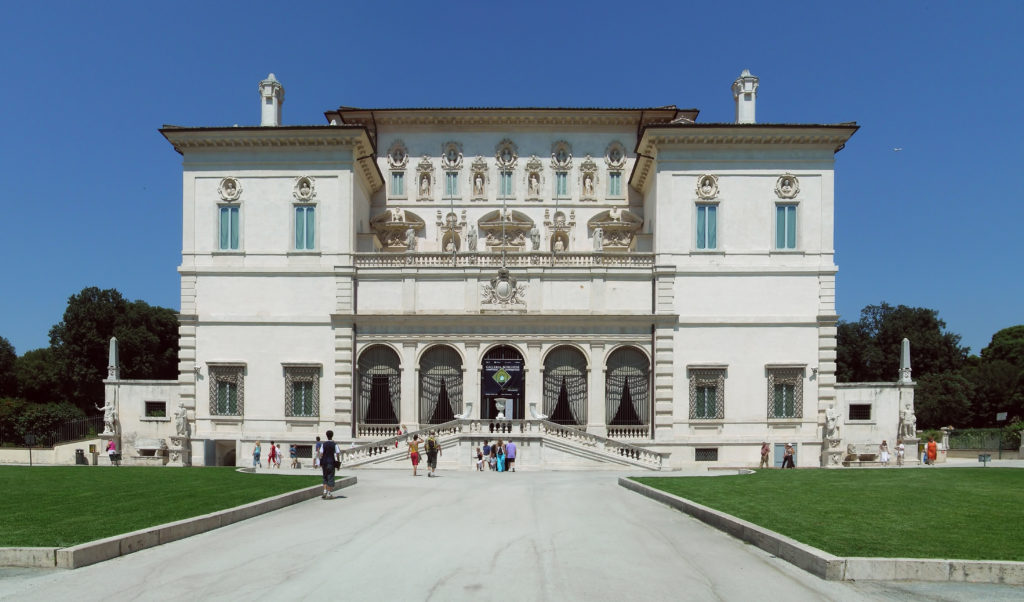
(30, 440)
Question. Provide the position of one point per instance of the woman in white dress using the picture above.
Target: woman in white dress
(883, 453)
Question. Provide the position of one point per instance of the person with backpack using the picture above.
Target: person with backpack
(329, 460)
(433, 451)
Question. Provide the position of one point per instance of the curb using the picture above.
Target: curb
(835, 568)
(111, 547)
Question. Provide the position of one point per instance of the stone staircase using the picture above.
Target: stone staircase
(461, 435)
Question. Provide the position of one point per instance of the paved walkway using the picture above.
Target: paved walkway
(465, 536)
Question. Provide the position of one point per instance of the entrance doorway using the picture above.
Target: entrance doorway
(502, 378)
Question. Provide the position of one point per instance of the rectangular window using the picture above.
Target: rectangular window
(707, 227)
(707, 393)
(615, 183)
(860, 411)
(706, 454)
(451, 184)
(785, 226)
(302, 391)
(227, 389)
(785, 392)
(397, 183)
(562, 184)
(156, 409)
(506, 183)
(305, 227)
(229, 228)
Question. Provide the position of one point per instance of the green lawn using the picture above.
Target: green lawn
(964, 513)
(68, 505)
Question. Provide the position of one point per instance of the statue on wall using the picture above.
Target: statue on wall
(109, 417)
(598, 239)
(534, 188)
(478, 185)
(831, 423)
(410, 239)
(559, 245)
(908, 423)
(472, 237)
(181, 420)
(535, 238)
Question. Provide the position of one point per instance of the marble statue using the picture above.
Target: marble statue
(425, 185)
(787, 185)
(615, 214)
(397, 214)
(535, 238)
(707, 185)
(908, 423)
(588, 185)
(534, 185)
(472, 237)
(478, 185)
(109, 417)
(450, 247)
(181, 420)
(305, 191)
(559, 245)
(831, 423)
(410, 239)
(598, 239)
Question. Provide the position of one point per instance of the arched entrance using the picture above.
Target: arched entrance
(627, 384)
(380, 385)
(565, 386)
(440, 385)
(502, 377)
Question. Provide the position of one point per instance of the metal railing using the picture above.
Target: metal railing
(50, 435)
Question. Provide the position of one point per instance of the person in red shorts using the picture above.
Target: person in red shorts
(414, 452)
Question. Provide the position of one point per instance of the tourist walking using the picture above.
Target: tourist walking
(766, 451)
(433, 451)
(277, 457)
(479, 460)
(271, 455)
(900, 451)
(330, 459)
(112, 451)
(787, 457)
(510, 456)
(256, 456)
(414, 452)
(316, 452)
(492, 460)
(932, 450)
(500, 456)
(293, 453)
(883, 453)
(487, 454)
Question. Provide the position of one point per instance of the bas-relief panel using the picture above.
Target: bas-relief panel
(750, 297)
(271, 296)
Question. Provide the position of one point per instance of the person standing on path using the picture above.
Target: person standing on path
(433, 451)
(900, 451)
(787, 458)
(765, 452)
(271, 455)
(277, 456)
(316, 452)
(487, 454)
(414, 452)
(510, 456)
(330, 459)
(293, 453)
(883, 453)
(933, 451)
(501, 456)
(256, 456)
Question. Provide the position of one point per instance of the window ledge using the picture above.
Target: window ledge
(223, 252)
(226, 419)
(155, 419)
(302, 419)
(794, 421)
(865, 422)
(787, 252)
(708, 252)
(303, 253)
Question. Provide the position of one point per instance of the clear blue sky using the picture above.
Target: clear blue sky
(91, 192)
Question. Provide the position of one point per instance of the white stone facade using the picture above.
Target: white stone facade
(349, 277)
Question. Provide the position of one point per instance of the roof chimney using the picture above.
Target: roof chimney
(271, 97)
(744, 92)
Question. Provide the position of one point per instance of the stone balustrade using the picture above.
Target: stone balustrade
(630, 432)
(474, 259)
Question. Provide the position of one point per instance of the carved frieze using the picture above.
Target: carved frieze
(230, 189)
(707, 186)
(559, 229)
(506, 154)
(396, 229)
(615, 229)
(787, 186)
(398, 155)
(505, 230)
(451, 156)
(450, 228)
(304, 189)
(425, 179)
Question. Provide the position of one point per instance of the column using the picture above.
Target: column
(534, 385)
(471, 378)
(409, 415)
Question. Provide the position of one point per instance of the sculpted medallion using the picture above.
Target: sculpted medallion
(787, 186)
(707, 186)
(304, 189)
(229, 189)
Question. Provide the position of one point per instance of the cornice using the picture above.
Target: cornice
(506, 117)
(656, 137)
(353, 137)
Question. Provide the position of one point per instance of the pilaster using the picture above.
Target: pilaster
(597, 418)
(471, 376)
(534, 379)
(409, 414)
(664, 377)
(344, 340)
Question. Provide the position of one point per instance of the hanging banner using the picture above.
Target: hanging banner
(502, 377)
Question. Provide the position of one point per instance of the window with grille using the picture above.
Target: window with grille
(302, 391)
(707, 393)
(860, 411)
(156, 409)
(227, 390)
(706, 454)
(785, 392)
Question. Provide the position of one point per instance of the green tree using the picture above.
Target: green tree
(8, 374)
(38, 378)
(943, 399)
(869, 349)
(1007, 345)
(147, 338)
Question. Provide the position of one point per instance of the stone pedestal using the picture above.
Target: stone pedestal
(832, 453)
(180, 452)
(913, 455)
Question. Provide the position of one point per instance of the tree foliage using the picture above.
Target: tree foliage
(19, 417)
(943, 399)
(147, 339)
(869, 349)
(1007, 345)
(38, 378)
(8, 373)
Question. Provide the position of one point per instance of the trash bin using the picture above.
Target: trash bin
(80, 457)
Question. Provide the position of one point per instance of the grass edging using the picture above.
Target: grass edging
(80, 555)
(834, 568)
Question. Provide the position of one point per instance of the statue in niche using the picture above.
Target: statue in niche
(506, 156)
(707, 185)
(615, 156)
(229, 189)
(598, 239)
(450, 247)
(181, 420)
(304, 189)
(472, 237)
(425, 185)
(410, 239)
(559, 245)
(397, 214)
(588, 185)
(534, 188)
(535, 238)
(478, 185)
(398, 156)
(787, 185)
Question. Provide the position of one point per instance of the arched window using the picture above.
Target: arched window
(440, 385)
(565, 386)
(627, 387)
(380, 385)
